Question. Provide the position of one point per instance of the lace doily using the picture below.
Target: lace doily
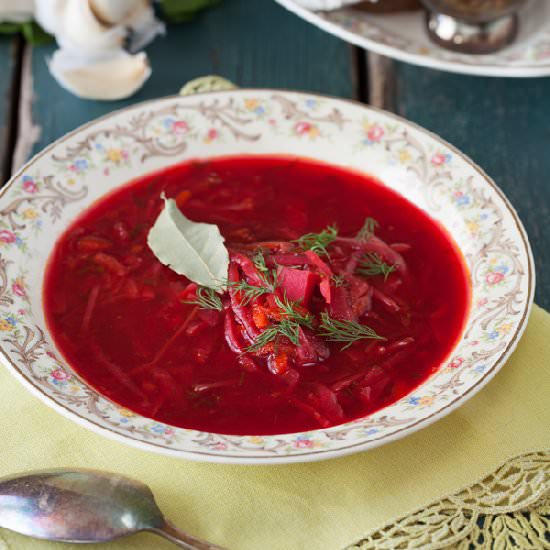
(508, 509)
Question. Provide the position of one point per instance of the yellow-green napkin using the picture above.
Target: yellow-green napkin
(322, 505)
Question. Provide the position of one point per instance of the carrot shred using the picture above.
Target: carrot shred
(110, 263)
(280, 363)
(91, 243)
(183, 197)
(259, 316)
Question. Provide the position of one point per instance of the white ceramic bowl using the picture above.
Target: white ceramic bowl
(55, 186)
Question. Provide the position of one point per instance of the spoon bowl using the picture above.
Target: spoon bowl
(84, 506)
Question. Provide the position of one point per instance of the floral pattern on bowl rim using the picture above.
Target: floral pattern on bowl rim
(54, 187)
(403, 36)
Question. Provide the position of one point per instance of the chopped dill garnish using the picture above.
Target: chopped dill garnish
(338, 280)
(268, 335)
(291, 312)
(348, 332)
(268, 276)
(286, 327)
(373, 264)
(247, 291)
(368, 229)
(318, 242)
(206, 298)
(259, 261)
(290, 329)
(269, 279)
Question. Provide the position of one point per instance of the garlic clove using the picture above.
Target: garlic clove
(91, 27)
(111, 13)
(144, 26)
(49, 14)
(115, 77)
(92, 35)
(81, 31)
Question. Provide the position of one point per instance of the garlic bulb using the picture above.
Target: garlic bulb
(92, 61)
(16, 11)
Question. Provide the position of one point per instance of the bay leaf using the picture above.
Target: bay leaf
(189, 248)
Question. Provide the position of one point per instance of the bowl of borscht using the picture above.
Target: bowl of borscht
(257, 276)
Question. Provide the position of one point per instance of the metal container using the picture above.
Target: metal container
(473, 26)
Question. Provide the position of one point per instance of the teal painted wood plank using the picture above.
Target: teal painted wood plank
(253, 43)
(504, 126)
(7, 68)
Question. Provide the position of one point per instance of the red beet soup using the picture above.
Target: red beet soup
(341, 297)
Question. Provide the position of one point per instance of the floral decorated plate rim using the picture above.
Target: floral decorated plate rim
(529, 56)
(230, 118)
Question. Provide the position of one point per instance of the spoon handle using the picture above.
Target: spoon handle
(170, 532)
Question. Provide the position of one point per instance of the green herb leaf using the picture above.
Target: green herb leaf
(7, 27)
(268, 335)
(288, 328)
(177, 11)
(206, 299)
(259, 261)
(31, 31)
(268, 276)
(338, 280)
(247, 291)
(318, 242)
(349, 332)
(368, 229)
(373, 264)
(291, 313)
(189, 248)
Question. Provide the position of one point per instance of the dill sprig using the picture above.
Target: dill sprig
(318, 242)
(270, 279)
(259, 261)
(268, 335)
(348, 332)
(338, 280)
(286, 327)
(206, 298)
(268, 276)
(290, 312)
(367, 231)
(290, 329)
(247, 291)
(373, 264)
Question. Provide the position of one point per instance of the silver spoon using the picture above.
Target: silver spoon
(80, 505)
